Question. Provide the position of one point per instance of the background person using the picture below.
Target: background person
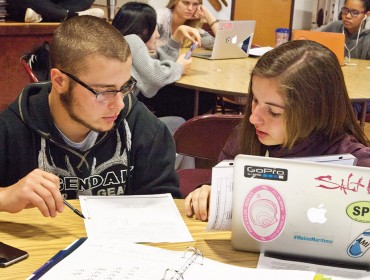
(153, 67)
(50, 10)
(83, 132)
(169, 18)
(293, 112)
(163, 66)
(356, 28)
(186, 12)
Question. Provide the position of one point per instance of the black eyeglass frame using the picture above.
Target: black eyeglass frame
(354, 13)
(126, 89)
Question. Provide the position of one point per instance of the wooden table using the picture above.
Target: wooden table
(230, 77)
(43, 237)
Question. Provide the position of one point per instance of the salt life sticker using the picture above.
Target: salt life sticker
(360, 245)
(264, 213)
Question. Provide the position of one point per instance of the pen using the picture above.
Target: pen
(74, 209)
(56, 259)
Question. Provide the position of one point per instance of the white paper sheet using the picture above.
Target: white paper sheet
(221, 202)
(259, 51)
(141, 218)
(336, 273)
(117, 259)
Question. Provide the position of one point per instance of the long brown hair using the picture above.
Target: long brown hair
(312, 85)
(195, 23)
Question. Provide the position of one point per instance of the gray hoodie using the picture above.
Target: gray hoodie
(362, 50)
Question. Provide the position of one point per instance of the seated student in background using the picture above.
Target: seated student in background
(189, 12)
(355, 26)
(173, 100)
(138, 23)
(292, 111)
(50, 10)
(83, 132)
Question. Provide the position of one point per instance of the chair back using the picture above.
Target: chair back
(204, 136)
(32, 77)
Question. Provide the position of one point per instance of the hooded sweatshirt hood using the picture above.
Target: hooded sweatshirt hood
(357, 45)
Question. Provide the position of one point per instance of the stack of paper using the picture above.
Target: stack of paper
(117, 259)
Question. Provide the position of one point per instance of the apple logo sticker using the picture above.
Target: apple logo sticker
(317, 214)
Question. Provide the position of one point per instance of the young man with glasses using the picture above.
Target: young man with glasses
(356, 27)
(83, 132)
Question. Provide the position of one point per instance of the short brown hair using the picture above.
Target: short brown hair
(78, 38)
(312, 85)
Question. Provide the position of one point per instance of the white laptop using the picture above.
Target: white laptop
(302, 210)
(233, 40)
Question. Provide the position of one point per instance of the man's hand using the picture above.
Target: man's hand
(38, 189)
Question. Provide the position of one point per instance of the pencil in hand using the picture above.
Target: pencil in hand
(73, 209)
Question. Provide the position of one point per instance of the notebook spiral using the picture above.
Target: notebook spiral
(191, 256)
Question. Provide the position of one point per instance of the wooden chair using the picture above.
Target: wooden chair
(232, 104)
(202, 137)
(32, 77)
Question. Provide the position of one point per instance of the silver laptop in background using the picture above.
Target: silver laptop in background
(233, 40)
(301, 210)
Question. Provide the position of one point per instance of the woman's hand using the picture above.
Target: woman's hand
(203, 13)
(197, 203)
(186, 32)
(186, 63)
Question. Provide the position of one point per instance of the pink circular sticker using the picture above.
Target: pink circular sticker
(264, 213)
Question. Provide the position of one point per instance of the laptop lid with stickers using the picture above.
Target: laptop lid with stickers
(302, 210)
(233, 40)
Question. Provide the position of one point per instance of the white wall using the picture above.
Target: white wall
(302, 14)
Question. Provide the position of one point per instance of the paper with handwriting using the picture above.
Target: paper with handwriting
(136, 218)
(117, 259)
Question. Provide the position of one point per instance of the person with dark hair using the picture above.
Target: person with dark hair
(292, 111)
(356, 28)
(157, 72)
(50, 10)
(138, 23)
(84, 132)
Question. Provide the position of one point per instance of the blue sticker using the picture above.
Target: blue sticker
(360, 245)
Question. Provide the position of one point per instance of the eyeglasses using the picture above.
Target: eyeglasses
(192, 4)
(354, 13)
(106, 96)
